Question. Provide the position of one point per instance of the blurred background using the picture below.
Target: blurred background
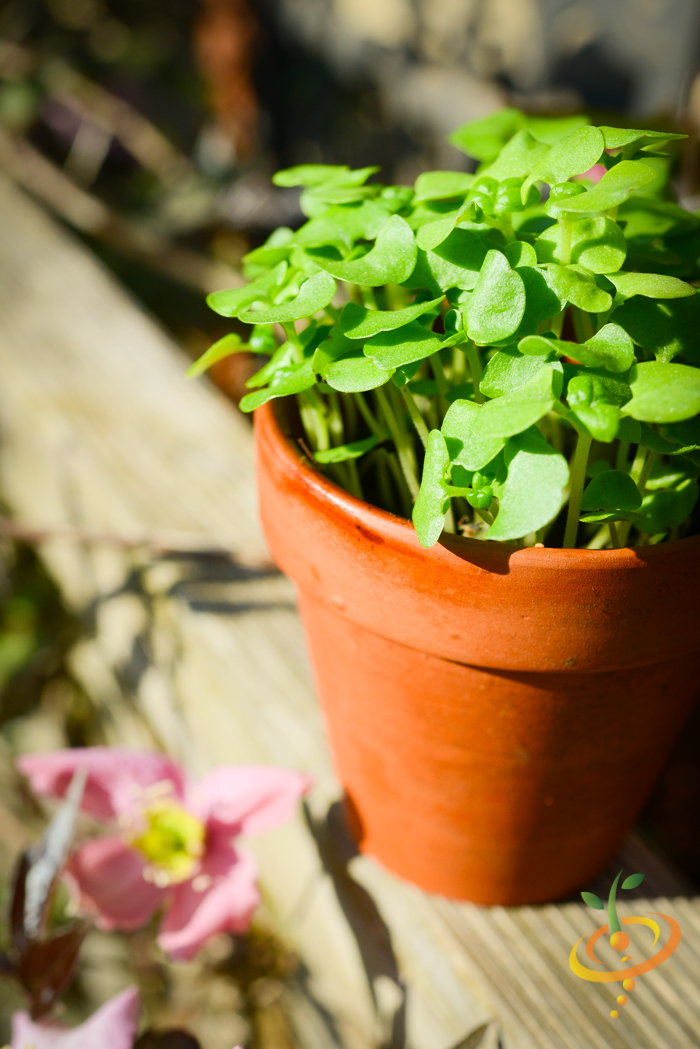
(152, 127)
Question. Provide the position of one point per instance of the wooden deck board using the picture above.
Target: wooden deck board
(100, 432)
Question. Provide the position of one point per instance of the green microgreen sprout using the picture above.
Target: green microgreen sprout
(619, 939)
(512, 352)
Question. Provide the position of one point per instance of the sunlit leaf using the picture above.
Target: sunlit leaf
(652, 285)
(390, 261)
(613, 188)
(596, 243)
(533, 491)
(572, 155)
(356, 373)
(579, 288)
(518, 158)
(315, 293)
(310, 174)
(631, 140)
(442, 185)
(431, 505)
(514, 412)
(497, 305)
(468, 446)
(508, 370)
(285, 381)
(519, 253)
(663, 393)
(343, 452)
(358, 322)
(484, 138)
(221, 349)
(413, 342)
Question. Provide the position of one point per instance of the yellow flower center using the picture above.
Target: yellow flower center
(173, 841)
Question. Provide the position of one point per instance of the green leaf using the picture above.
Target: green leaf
(355, 373)
(611, 348)
(579, 288)
(666, 328)
(667, 508)
(413, 342)
(497, 304)
(611, 490)
(572, 155)
(357, 322)
(310, 174)
(390, 261)
(608, 516)
(651, 217)
(229, 302)
(467, 445)
(613, 188)
(343, 452)
(508, 370)
(651, 285)
(431, 505)
(340, 227)
(593, 901)
(442, 185)
(663, 393)
(634, 879)
(631, 140)
(520, 253)
(552, 129)
(315, 294)
(542, 302)
(600, 419)
(521, 155)
(455, 263)
(596, 243)
(433, 233)
(485, 138)
(285, 381)
(514, 412)
(533, 491)
(217, 352)
(344, 366)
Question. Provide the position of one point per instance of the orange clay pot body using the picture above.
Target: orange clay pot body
(498, 715)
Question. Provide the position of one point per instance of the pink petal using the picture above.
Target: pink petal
(116, 776)
(108, 876)
(226, 905)
(249, 799)
(113, 1026)
(593, 174)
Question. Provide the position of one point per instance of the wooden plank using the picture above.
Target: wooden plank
(203, 654)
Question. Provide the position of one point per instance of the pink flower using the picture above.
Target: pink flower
(172, 847)
(114, 1025)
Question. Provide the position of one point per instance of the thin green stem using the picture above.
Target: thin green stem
(414, 412)
(401, 484)
(332, 312)
(577, 482)
(475, 368)
(583, 325)
(439, 373)
(366, 413)
(335, 419)
(291, 333)
(401, 441)
(354, 485)
(621, 455)
(368, 297)
(614, 537)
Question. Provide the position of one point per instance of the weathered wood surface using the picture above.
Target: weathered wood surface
(203, 654)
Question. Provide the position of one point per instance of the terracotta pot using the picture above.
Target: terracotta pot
(498, 715)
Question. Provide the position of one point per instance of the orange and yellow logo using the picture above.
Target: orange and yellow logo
(620, 941)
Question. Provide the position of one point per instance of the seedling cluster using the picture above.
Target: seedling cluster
(513, 352)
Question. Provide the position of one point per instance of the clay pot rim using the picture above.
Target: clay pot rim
(392, 527)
